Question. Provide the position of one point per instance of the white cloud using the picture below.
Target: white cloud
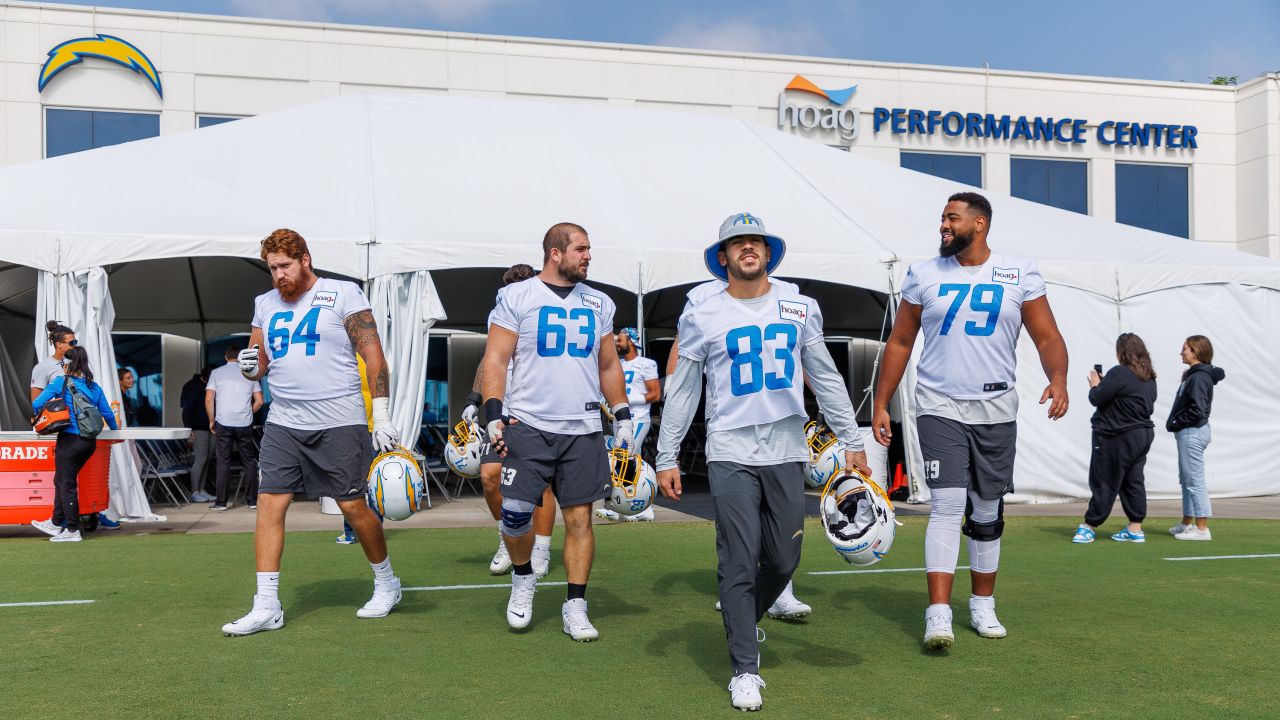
(365, 11)
(742, 35)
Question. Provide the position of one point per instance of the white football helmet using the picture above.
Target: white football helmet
(635, 484)
(466, 444)
(826, 454)
(395, 485)
(857, 518)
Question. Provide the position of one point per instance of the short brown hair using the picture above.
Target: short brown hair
(284, 241)
(517, 273)
(558, 237)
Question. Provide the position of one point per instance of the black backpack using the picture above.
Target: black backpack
(85, 411)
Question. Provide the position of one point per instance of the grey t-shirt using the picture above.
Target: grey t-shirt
(45, 371)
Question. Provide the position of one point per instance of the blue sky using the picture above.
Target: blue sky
(1176, 40)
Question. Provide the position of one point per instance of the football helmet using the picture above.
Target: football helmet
(396, 485)
(857, 518)
(826, 454)
(466, 444)
(634, 483)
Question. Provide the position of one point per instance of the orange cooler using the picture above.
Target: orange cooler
(26, 480)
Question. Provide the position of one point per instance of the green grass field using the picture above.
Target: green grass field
(1097, 631)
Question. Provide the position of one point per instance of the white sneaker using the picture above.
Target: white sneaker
(541, 559)
(1178, 529)
(501, 562)
(604, 514)
(576, 624)
(937, 630)
(788, 607)
(1194, 533)
(384, 598)
(744, 690)
(982, 617)
(74, 536)
(47, 527)
(646, 516)
(520, 605)
(265, 615)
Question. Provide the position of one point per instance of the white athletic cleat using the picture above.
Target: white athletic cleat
(982, 617)
(1194, 533)
(645, 516)
(520, 606)
(501, 562)
(265, 615)
(605, 514)
(937, 630)
(66, 536)
(384, 598)
(744, 690)
(47, 527)
(1176, 529)
(576, 624)
(788, 606)
(541, 559)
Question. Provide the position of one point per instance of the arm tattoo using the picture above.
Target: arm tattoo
(382, 383)
(361, 329)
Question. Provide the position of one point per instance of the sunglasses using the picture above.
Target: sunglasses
(73, 342)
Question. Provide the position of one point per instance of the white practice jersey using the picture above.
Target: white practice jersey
(971, 319)
(555, 379)
(701, 292)
(636, 373)
(311, 358)
(751, 353)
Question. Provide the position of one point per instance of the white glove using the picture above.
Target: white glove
(494, 432)
(470, 414)
(624, 431)
(385, 435)
(248, 359)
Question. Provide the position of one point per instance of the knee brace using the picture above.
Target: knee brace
(984, 530)
(517, 517)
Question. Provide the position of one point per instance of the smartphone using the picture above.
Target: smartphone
(1097, 369)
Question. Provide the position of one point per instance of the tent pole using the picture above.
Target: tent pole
(640, 303)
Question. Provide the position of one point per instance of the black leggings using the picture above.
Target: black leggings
(70, 454)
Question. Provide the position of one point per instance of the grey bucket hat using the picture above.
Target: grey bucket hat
(744, 224)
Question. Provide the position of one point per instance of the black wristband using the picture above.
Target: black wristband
(493, 410)
(622, 413)
(474, 398)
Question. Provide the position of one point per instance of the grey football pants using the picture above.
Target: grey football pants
(759, 528)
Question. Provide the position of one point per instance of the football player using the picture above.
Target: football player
(752, 340)
(643, 389)
(971, 304)
(317, 437)
(559, 332)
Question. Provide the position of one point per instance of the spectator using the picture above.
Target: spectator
(1122, 436)
(196, 418)
(62, 338)
(126, 384)
(1189, 423)
(230, 401)
(71, 451)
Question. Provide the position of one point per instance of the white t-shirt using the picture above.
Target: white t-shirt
(555, 377)
(636, 373)
(45, 371)
(314, 377)
(751, 353)
(971, 320)
(233, 396)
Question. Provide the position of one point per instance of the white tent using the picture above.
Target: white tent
(382, 186)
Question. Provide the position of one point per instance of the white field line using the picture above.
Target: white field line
(50, 602)
(1225, 557)
(868, 572)
(472, 587)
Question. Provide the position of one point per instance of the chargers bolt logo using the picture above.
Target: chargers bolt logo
(104, 47)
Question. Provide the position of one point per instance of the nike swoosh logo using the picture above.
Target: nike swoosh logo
(519, 615)
(798, 534)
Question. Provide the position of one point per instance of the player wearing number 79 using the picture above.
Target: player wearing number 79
(971, 304)
(317, 433)
(752, 340)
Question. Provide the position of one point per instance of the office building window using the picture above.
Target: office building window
(965, 169)
(1060, 183)
(68, 131)
(1155, 197)
(204, 121)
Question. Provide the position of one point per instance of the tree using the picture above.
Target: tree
(1224, 80)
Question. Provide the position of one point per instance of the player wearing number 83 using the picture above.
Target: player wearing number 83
(971, 305)
(752, 340)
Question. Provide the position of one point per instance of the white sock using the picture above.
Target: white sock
(269, 584)
(499, 528)
(938, 609)
(382, 574)
(988, 601)
(542, 541)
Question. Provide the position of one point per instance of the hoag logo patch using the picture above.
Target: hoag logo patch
(796, 312)
(1008, 276)
(325, 298)
(594, 302)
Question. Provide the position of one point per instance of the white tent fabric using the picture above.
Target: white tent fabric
(400, 184)
(405, 306)
(81, 301)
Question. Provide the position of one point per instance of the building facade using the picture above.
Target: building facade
(1192, 160)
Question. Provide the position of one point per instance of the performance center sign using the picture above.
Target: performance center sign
(834, 116)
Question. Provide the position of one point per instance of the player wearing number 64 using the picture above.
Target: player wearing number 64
(756, 342)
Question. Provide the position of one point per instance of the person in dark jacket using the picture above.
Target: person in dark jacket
(1189, 423)
(1122, 435)
(71, 451)
(196, 418)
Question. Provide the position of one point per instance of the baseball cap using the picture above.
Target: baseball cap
(743, 224)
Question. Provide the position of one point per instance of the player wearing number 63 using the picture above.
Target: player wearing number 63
(971, 304)
(752, 340)
(317, 433)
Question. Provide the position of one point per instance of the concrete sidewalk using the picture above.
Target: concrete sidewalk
(470, 511)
